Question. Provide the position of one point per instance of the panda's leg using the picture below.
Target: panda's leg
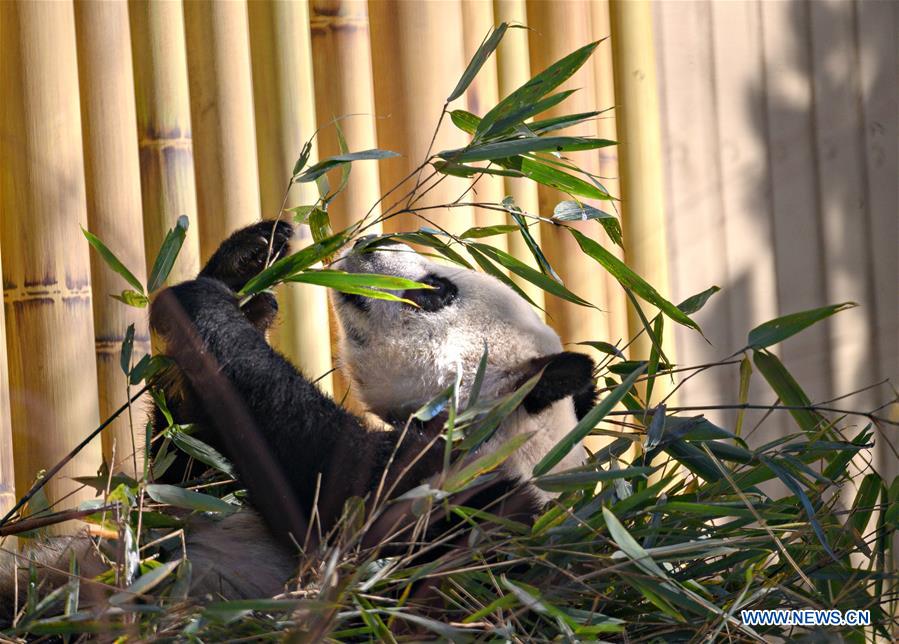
(281, 431)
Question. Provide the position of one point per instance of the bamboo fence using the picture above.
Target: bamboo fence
(46, 270)
(7, 472)
(220, 96)
(114, 213)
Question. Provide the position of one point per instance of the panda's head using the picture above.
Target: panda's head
(401, 356)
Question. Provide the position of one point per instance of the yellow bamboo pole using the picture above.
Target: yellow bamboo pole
(7, 472)
(417, 58)
(112, 176)
(606, 128)
(47, 294)
(514, 70)
(221, 109)
(341, 54)
(483, 94)
(282, 86)
(640, 158)
(559, 29)
(163, 128)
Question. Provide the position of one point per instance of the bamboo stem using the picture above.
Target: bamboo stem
(7, 472)
(640, 158)
(561, 28)
(52, 369)
(416, 69)
(344, 87)
(221, 110)
(112, 176)
(482, 94)
(606, 128)
(514, 70)
(163, 126)
(282, 86)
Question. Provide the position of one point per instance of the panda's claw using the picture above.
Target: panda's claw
(248, 251)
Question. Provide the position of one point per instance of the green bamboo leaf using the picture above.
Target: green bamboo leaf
(112, 261)
(168, 253)
(132, 298)
(510, 148)
(287, 267)
(630, 280)
(604, 347)
(479, 232)
(486, 462)
(787, 389)
(468, 171)
(180, 497)
(796, 489)
(301, 213)
(695, 302)
(526, 111)
(781, 328)
(477, 61)
(586, 424)
(320, 225)
(554, 178)
(745, 376)
(145, 583)
(465, 120)
(537, 87)
(302, 159)
(202, 452)
(587, 480)
(530, 242)
(127, 348)
(526, 272)
(317, 170)
(863, 505)
(559, 122)
(576, 211)
(365, 284)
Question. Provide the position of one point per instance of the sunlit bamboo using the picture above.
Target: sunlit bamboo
(163, 129)
(640, 158)
(46, 271)
(112, 178)
(221, 110)
(7, 472)
(283, 98)
(563, 28)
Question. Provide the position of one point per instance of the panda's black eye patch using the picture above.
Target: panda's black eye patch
(433, 299)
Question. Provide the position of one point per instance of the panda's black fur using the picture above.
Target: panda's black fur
(292, 445)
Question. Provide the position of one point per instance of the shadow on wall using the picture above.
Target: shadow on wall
(826, 109)
(781, 123)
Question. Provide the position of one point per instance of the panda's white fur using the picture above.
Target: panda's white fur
(400, 357)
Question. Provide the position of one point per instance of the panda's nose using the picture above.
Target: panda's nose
(362, 241)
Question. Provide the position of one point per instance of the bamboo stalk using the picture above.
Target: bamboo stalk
(416, 67)
(341, 50)
(163, 127)
(112, 176)
(52, 370)
(7, 472)
(642, 191)
(560, 28)
(606, 128)
(482, 94)
(282, 90)
(221, 109)
(514, 70)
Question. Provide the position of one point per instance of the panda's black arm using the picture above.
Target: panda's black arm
(250, 392)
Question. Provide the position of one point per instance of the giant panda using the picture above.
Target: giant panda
(299, 453)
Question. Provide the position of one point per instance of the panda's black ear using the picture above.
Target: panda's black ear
(564, 374)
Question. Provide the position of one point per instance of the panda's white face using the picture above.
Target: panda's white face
(400, 356)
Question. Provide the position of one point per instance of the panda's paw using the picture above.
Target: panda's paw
(248, 251)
